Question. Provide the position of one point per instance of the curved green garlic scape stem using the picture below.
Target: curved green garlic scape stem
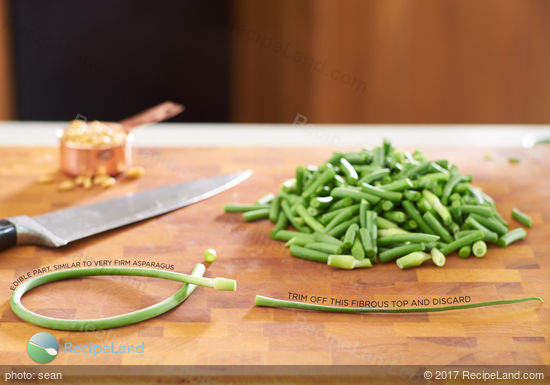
(191, 282)
(272, 302)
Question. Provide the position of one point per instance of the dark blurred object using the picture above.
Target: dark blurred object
(324, 61)
(109, 59)
(391, 61)
(7, 104)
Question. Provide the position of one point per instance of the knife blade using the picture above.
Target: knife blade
(61, 227)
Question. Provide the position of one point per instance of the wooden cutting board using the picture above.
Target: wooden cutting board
(225, 327)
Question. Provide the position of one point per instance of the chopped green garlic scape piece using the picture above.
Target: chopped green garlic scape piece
(381, 205)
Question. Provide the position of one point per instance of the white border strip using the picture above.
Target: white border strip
(230, 135)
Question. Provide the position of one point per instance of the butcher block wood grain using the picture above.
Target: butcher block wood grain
(225, 327)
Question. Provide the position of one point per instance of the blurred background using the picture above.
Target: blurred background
(345, 61)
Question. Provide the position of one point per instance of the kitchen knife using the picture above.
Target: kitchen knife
(61, 227)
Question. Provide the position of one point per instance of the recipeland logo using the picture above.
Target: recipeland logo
(43, 348)
(96, 349)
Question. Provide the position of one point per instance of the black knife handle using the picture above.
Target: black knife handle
(8, 235)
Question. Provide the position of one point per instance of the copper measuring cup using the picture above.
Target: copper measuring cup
(111, 159)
